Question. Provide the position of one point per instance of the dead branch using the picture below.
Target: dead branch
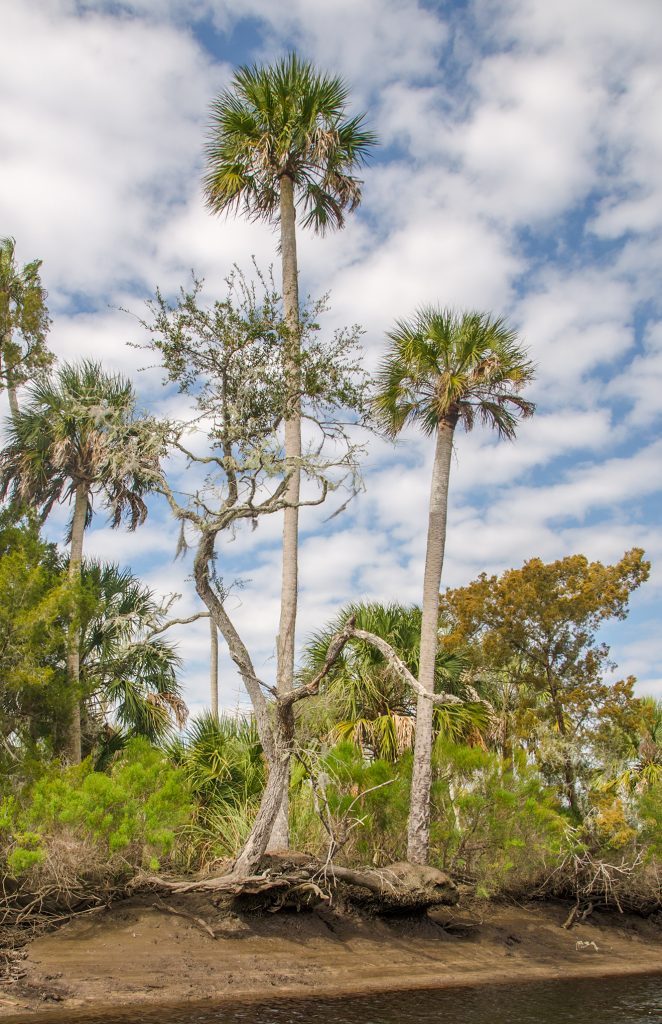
(178, 622)
(401, 669)
(333, 652)
(199, 921)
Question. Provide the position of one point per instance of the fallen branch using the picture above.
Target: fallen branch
(199, 921)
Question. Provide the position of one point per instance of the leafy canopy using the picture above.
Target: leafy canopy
(24, 319)
(285, 119)
(79, 427)
(539, 625)
(444, 366)
(365, 701)
(35, 602)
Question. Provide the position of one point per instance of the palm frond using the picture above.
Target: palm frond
(286, 118)
(447, 366)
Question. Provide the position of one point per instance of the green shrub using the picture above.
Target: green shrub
(97, 823)
(649, 812)
(364, 802)
(494, 824)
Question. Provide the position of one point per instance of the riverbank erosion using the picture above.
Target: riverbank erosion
(143, 951)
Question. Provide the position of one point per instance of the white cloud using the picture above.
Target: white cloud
(520, 174)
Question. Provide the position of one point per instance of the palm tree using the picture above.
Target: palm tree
(366, 701)
(23, 313)
(128, 670)
(445, 368)
(78, 438)
(279, 139)
(643, 752)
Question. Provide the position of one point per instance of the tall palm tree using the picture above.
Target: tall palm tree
(443, 369)
(24, 322)
(279, 139)
(78, 438)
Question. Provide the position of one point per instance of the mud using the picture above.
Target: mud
(138, 954)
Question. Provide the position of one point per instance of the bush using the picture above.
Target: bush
(369, 822)
(80, 824)
(650, 815)
(494, 824)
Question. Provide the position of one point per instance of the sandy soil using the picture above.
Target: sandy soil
(137, 954)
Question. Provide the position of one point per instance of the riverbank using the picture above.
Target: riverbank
(140, 954)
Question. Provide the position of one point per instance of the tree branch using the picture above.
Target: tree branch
(399, 666)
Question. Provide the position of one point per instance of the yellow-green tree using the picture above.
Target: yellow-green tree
(539, 625)
(24, 322)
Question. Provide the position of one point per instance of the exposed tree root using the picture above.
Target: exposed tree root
(298, 881)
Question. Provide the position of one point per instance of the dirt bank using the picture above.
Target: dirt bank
(139, 954)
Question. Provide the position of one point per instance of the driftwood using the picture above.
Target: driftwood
(199, 921)
(298, 881)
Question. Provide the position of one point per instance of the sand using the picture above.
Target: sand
(137, 955)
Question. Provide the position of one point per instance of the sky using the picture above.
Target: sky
(518, 173)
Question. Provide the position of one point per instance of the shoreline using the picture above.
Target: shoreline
(135, 958)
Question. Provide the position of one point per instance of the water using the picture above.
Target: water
(633, 1000)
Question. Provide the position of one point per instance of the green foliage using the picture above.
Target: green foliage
(35, 601)
(24, 319)
(498, 828)
(649, 812)
(454, 367)
(534, 630)
(495, 825)
(368, 822)
(222, 760)
(364, 701)
(119, 821)
(285, 119)
(127, 669)
(223, 763)
(79, 428)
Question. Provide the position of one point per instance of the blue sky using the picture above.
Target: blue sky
(518, 173)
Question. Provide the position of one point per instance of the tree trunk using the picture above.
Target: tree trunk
(73, 740)
(289, 579)
(6, 373)
(213, 666)
(13, 402)
(262, 832)
(418, 831)
(236, 647)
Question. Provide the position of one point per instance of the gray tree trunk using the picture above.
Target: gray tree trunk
(11, 388)
(213, 666)
(418, 830)
(13, 402)
(73, 739)
(289, 580)
(262, 832)
(275, 726)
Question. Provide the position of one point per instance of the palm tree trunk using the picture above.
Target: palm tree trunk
(418, 832)
(213, 666)
(73, 741)
(289, 579)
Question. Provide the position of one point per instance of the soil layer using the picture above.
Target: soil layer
(139, 953)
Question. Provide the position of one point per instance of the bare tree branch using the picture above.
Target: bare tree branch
(399, 666)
